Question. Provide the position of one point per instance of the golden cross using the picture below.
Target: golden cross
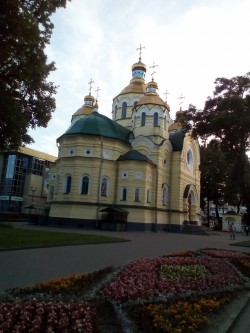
(166, 93)
(140, 48)
(181, 98)
(97, 92)
(90, 85)
(153, 66)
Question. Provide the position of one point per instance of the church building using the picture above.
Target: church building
(136, 171)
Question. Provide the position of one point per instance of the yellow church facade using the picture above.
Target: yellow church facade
(136, 171)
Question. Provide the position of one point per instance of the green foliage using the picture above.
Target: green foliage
(225, 119)
(26, 97)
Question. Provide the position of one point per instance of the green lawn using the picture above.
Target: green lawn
(14, 238)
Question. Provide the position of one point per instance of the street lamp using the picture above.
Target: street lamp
(33, 190)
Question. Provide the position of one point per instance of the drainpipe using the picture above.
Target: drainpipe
(170, 191)
(99, 184)
(156, 204)
(116, 182)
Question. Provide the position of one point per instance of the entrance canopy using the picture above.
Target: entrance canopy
(114, 210)
(114, 218)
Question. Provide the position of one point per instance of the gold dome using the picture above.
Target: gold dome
(152, 86)
(87, 107)
(152, 97)
(140, 66)
(137, 84)
(175, 126)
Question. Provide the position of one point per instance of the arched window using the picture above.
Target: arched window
(164, 194)
(190, 159)
(156, 119)
(104, 186)
(143, 119)
(67, 184)
(124, 194)
(115, 112)
(124, 110)
(137, 194)
(85, 185)
(135, 103)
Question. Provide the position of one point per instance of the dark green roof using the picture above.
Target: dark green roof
(176, 138)
(135, 156)
(231, 212)
(99, 125)
(114, 210)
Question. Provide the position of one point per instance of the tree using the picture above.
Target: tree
(226, 118)
(215, 170)
(26, 98)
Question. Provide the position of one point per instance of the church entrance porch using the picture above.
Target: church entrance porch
(191, 203)
(113, 219)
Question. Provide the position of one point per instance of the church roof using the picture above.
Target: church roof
(231, 212)
(99, 125)
(115, 209)
(176, 138)
(137, 84)
(175, 126)
(151, 97)
(134, 155)
(87, 107)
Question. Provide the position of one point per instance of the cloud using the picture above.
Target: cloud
(192, 42)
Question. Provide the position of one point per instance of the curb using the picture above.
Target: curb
(235, 324)
(233, 313)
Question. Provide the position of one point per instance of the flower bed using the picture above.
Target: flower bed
(183, 316)
(220, 253)
(142, 278)
(243, 265)
(174, 293)
(73, 285)
(183, 272)
(38, 316)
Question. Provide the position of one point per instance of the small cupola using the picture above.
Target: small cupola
(87, 107)
(152, 87)
(96, 106)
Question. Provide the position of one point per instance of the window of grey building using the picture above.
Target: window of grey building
(15, 166)
(38, 165)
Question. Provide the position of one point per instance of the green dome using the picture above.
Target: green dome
(99, 125)
(176, 138)
(134, 155)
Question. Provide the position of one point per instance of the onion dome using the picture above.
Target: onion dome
(137, 83)
(175, 126)
(177, 138)
(96, 106)
(96, 124)
(152, 97)
(139, 70)
(177, 123)
(86, 109)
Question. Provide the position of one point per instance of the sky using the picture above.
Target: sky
(192, 42)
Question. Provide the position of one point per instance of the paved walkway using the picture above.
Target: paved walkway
(23, 267)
